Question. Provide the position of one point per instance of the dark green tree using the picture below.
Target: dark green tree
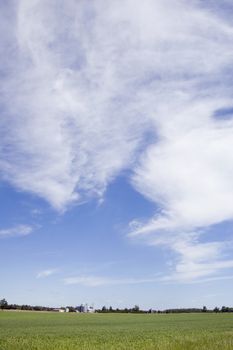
(204, 309)
(104, 309)
(225, 309)
(135, 308)
(3, 304)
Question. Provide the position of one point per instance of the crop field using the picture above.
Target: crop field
(43, 331)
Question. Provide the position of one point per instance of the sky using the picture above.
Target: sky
(116, 163)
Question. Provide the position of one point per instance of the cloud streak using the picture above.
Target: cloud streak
(98, 281)
(46, 273)
(16, 231)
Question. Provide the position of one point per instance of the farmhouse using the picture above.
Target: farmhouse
(58, 309)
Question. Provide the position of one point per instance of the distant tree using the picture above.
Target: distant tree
(204, 309)
(104, 309)
(216, 309)
(135, 308)
(110, 309)
(225, 309)
(3, 304)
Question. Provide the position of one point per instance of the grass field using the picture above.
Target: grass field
(43, 331)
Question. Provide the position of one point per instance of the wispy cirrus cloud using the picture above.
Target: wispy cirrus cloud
(190, 176)
(194, 257)
(196, 261)
(97, 281)
(84, 98)
(71, 131)
(16, 231)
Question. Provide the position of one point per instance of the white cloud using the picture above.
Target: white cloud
(46, 273)
(85, 82)
(72, 124)
(189, 174)
(195, 257)
(97, 281)
(199, 260)
(16, 231)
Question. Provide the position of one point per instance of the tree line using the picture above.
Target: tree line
(136, 309)
(5, 306)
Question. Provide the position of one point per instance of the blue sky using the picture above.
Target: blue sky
(115, 153)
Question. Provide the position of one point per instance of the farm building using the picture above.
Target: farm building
(85, 308)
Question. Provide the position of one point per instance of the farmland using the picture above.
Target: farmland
(44, 331)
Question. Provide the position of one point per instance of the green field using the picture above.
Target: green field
(42, 331)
